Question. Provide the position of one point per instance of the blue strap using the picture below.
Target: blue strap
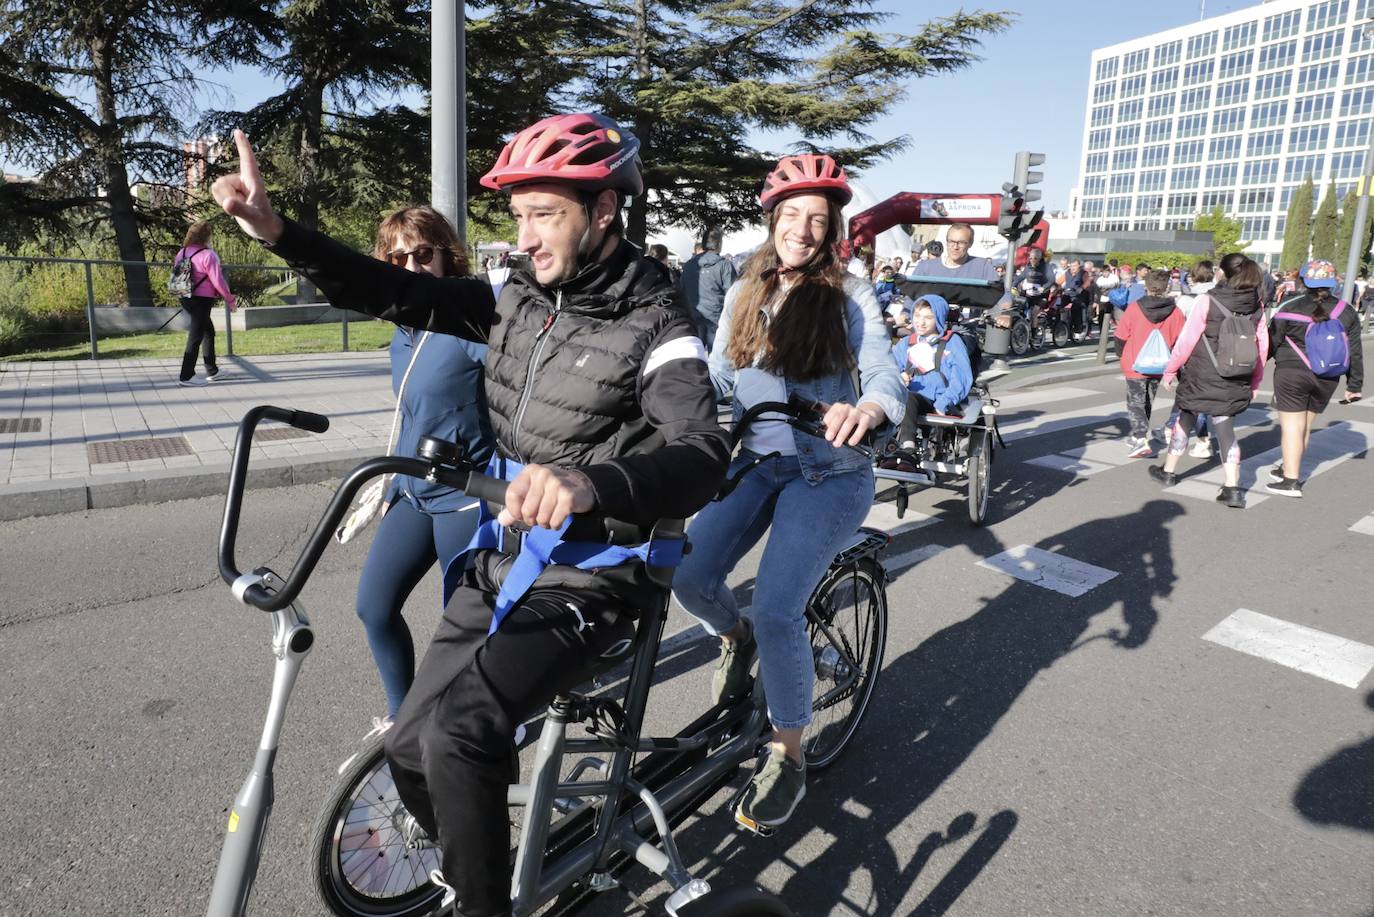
(542, 547)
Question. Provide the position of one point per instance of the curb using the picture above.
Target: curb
(47, 498)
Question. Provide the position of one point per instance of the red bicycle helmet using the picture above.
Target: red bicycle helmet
(808, 172)
(585, 150)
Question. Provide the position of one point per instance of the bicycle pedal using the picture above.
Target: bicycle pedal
(744, 821)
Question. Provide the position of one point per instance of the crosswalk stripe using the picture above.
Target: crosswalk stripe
(1314, 652)
(1102, 454)
(1365, 526)
(883, 516)
(1034, 397)
(911, 558)
(1093, 415)
(1047, 570)
(1081, 467)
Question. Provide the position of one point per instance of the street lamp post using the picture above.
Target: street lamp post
(448, 107)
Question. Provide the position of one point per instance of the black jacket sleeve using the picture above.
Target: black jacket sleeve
(1354, 376)
(461, 306)
(681, 476)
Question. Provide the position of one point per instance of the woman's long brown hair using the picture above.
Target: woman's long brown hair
(807, 336)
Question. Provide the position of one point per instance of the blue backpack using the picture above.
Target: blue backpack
(1119, 297)
(1326, 343)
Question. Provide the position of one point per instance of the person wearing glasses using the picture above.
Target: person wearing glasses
(956, 260)
(438, 383)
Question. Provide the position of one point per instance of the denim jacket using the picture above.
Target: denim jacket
(877, 378)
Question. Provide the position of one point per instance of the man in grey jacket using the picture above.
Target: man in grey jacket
(705, 278)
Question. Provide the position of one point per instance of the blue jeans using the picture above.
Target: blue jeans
(810, 523)
(407, 544)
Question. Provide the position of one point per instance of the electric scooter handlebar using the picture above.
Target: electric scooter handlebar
(248, 588)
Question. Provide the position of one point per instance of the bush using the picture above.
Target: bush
(14, 330)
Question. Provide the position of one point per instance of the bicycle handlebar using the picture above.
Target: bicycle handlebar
(801, 415)
(248, 588)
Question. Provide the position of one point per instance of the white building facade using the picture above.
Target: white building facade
(1232, 111)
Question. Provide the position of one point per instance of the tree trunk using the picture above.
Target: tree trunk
(637, 227)
(117, 193)
(308, 215)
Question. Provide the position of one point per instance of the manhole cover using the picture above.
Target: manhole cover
(136, 450)
(20, 424)
(279, 433)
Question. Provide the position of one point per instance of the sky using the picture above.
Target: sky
(1028, 93)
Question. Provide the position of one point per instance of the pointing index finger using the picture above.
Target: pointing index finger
(248, 162)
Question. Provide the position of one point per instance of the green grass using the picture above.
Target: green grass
(256, 342)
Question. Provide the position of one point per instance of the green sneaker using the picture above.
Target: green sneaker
(774, 792)
(731, 678)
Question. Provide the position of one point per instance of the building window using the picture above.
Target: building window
(1214, 199)
(1128, 135)
(1359, 69)
(1129, 111)
(1319, 76)
(1136, 61)
(1104, 92)
(1221, 176)
(1095, 184)
(1164, 79)
(1119, 207)
(1361, 38)
(1278, 57)
(1168, 53)
(1099, 140)
(1097, 162)
(1192, 126)
(1156, 131)
(1123, 159)
(1255, 227)
(1106, 68)
(1302, 139)
(1116, 226)
(1313, 108)
(1320, 47)
(1093, 208)
(1268, 143)
(1239, 36)
(1286, 198)
(1261, 172)
(1182, 203)
(1347, 165)
(1224, 148)
(1151, 205)
(1282, 25)
(1270, 114)
(1185, 179)
(1352, 133)
(1102, 115)
(1197, 99)
(1298, 168)
(1233, 93)
(1133, 86)
(1228, 119)
(1188, 152)
(1273, 86)
(1154, 155)
(1260, 200)
(1152, 181)
(1090, 227)
(1357, 101)
(1332, 12)
(1122, 184)
(1198, 72)
(1161, 105)
(1238, 64)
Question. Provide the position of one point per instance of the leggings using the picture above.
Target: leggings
(407, 544)
(1223, 427)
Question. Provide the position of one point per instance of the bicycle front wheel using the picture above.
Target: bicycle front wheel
(847, 623)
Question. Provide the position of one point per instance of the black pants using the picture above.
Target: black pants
(915, 405)
(450, 750)
(201, 336)
(1140, 403)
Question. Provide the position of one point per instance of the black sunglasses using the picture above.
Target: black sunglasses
(424, 254)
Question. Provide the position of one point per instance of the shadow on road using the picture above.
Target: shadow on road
(1340, 790)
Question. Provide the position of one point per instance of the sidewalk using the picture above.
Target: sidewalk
(77, 435)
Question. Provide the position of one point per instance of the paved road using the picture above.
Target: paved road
(1063, 743)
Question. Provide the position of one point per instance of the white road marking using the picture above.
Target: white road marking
(1033, 397)
(883, 516)
(1093, 415)
(1314, 652)
(1329, 447)
(1079, 467)
(1100, 454)
(911, 558)
(1049, 571)
(1365, 526)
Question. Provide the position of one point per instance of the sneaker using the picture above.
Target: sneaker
(1140, 448)
(773, 793)
(1288, 487)
(1233, 497)
(380, 726)
(450, 895)
(1201, 449)
(1167, 478)
(214, 376)
(412, 835)
(193, 382)
(731, 678)
(1276, 473)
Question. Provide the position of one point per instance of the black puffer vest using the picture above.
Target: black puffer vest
(564, 365)
(1201, 389)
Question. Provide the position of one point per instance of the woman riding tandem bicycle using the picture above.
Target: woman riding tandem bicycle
(794, 326)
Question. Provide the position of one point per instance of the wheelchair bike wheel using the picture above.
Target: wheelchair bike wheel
(360, 866)
(979, 475)
(847, 625)
(736, 902)
(1061, 333)
(1020, 337)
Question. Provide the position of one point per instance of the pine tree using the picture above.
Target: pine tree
(1297, 233)
(1347, 228)
(1324, 230)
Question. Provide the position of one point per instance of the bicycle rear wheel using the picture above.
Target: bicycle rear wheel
(847, 624)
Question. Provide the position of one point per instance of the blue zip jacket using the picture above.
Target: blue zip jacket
(949, 384)
(444, 397)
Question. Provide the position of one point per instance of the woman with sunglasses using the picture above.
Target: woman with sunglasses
(438, 381)
(795, 323)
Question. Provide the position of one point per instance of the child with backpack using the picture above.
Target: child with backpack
(936, 367)
(1217, 364)
(1148, 330)
(1314, 340)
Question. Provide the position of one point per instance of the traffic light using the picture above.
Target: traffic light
(1024, 177)
(1016, 218)
(1011, 218)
